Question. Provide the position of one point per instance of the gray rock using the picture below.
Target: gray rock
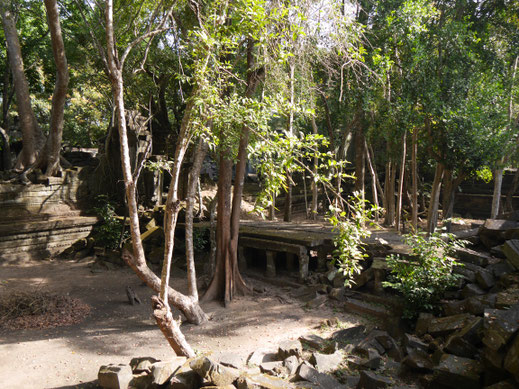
(317, 301)
(511, 362)
(492, 360)
(447, 325)
(371, 360)
(114, 376)
(257, 357)
(369, 380)
(288, 348)
(511, 250)
(508, 384)
(454, 307)
(213, 372)
(230, 359)
(492, 232)
(262, 381)
(310, 374)
(418, 360)
(413, 342)
(142, 364)
(291, 364)
(314, 341)
(499, 269)
(457, 372)
(325, 363)
(422, 323)
(349, 335)
(337, 293)
(162, 371)
(497, 251)
(476, 305)
(485, 279)
(507, 298)
(466, 273)
(272, 368)
(471, 290)
(185, 380)
(471, 256)
(500, 325)
(390, 345)
(458, 346)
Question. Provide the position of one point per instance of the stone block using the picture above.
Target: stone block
(114, 376)
(499, 326)
(213, 372)
(288, 348)
(511, 250)
(485, 279)
(162, 371)
(471, 256)
(457, 372)
(447, 325)
(185, 380)
(476, 305)
(370, 380)
(511, 361)
(272, 368)
(418, 360)
(314, 341)
(507, 298)
(471, 290)
(257, 357)
(325, 363)
(323, 381)
(142, 364)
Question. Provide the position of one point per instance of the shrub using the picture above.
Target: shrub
(108, 232)
(427, 274)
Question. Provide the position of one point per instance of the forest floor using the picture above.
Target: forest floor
(115, 331)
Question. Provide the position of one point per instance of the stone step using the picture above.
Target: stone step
(62, 222)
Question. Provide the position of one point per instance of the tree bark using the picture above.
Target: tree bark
(496, 196)
(6, 151)
(50, 157)
(199, 153)
(373, 173)
(360, 164)
(32, 137)
(414, 175)
(511, 192)
(287, 217)
(136, 260)
(389, 193)
(401, 183)
(432, 214)
(315, 194)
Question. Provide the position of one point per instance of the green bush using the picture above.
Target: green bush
(108, 232)
(427, 274)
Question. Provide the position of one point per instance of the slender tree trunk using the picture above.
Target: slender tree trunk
(50, 157)
(315, 194)
(199, 153)
(373, 173)
(496, 197)
(31, 134)
(360, 165)
(290, 129)
(432, 214)
(511, 192)
(401, 183)
(136, 260)
(414, 175)
(389, 192)
(6, 150)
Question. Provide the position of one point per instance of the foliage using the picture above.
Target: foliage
(108, 232)
(424, 277)
(351, 230)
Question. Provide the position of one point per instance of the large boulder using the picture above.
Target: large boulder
(114, 376)
(457, 372)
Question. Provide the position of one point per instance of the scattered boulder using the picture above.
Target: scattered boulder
(257, 357)
(162, 371)
(314, 341)
(114, 376)
(500, 325)
(142, 364)
(324, 381)
(457, 372)
(288, 348)
(446, 325)
(325, 363)
(471, 256)
(213, 372)
(511, 250)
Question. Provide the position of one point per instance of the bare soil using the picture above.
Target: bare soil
(113, 331)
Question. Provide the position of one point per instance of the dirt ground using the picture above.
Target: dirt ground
(115, 331)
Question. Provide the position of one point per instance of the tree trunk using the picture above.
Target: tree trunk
(511, 192)
(199, 154)
(389, 192)
(373, 173)
(50, 156)
(414, 175)
(432, 214)
(136, 260)
(496, 196)
(227, 280)
(401, 183)
(315, 194)
(6, 150)
(287, 217)
(32, 137)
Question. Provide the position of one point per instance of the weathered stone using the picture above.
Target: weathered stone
(288, 348)
(508, 384)
(359, 363)
(507, 298)
(291, 364)
(497, 251)
(492, 359)
(499, 269)
(272, 368)
(500, 325)
(257, 357)
(362, 278)
(317, 301)
(310, 374)
(454, 307)
(492, 232)
(466, 273)
(363, 347)
(337, 293)
(511, 362)
(485, 279)
(262, 381)
(458, 346)
(413, 342)
(471, 256)
(419, 360)
(361, 307)
(162, 371)
(476, 305)
(185, 380)
(221, 387)
(390, 345)
(314, 341)
(142, 364)
(471, 290)
(446, 325)
(422, 323)
(230, 359)
(511, 250)
(458, 372)
(325, 363)
(369, 380)
(348, 335)
(114, 376)
(213, 372)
